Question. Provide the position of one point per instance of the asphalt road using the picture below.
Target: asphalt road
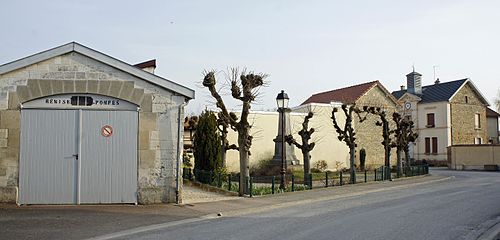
(460, 208)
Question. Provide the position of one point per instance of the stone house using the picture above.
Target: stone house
(445, 114)
(369, 136)
(80, 127)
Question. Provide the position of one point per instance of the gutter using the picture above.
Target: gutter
(180, 144)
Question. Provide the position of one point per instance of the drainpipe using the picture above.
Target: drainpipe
(180, 144)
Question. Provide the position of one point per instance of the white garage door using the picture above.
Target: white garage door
(78, 156)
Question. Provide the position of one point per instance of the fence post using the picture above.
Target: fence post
(375, 171)
(293, 183)
(229, 182)
(272, 185)
(326, 179)
(341, 179)
(365, 177)
(310, 181)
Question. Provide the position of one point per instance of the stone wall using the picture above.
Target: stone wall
(369, 135)
(463, 129)
(76, 73)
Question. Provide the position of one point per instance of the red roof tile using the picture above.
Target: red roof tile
(344, 95)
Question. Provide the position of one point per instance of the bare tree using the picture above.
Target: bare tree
(497, 100)
(244, 88)
(403, 136)
(223, 129)
(306, 147)
(386, 132)
(347, 134)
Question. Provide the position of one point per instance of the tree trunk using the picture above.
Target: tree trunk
(244, 166)
(307, 167)
(407, 157)
(400, 163)
(387, 156)
(352, 151)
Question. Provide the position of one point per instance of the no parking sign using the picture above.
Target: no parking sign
(107, 131)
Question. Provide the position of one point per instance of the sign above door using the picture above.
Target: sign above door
(80, 101)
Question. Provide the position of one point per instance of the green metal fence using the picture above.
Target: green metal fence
(261, 185)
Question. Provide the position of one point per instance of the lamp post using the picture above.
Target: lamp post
(282, 102)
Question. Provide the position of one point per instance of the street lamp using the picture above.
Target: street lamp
(282, 102)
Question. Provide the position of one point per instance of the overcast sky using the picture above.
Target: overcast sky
(305, 46)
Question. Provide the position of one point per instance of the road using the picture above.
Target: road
(459, 208)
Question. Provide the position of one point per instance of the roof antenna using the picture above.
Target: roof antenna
(435, 79)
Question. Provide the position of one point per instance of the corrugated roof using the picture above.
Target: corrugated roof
(344, 95)
(436, 92)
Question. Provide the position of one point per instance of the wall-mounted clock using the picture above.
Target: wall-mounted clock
(408, 105)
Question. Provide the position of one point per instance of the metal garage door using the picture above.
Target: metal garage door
(48, 169)
(78, 156)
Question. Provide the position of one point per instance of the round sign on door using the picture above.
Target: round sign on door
(106, 131)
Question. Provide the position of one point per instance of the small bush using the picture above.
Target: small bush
(319, 166)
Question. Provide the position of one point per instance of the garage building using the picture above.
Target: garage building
(80, 127)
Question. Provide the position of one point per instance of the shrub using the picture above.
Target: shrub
(362, 158)
(207, 143)
(319, 166)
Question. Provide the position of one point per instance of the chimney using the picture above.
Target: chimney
(403, 87)
(414, 82)
(148, 66)
(437, 81)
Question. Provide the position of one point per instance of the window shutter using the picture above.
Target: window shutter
(434, 145)
(427, 145)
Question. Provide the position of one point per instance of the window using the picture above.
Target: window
(466, 99)
(434, 145)
(427, 145)
(477, 121)
(478, 140)
(430, 120)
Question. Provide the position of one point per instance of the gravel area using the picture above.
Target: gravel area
(192, 194)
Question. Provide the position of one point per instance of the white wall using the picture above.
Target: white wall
(441, 130)
(265, 129)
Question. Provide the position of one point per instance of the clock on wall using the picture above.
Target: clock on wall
(408, 105)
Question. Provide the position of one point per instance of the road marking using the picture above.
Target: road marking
(250, 211)
(152, 227)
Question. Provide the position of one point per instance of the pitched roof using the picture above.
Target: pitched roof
(491, 113)
(91, 53)
(437, 92)
(344, 95)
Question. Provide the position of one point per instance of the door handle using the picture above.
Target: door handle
(76, 156)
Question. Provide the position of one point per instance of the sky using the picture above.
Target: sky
(304, 47)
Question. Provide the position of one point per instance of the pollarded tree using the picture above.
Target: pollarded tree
(403, 135)
(305, 147)
(223, 129)
(348, 134)
(386, 132)
(244, 87)
(497, 100)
